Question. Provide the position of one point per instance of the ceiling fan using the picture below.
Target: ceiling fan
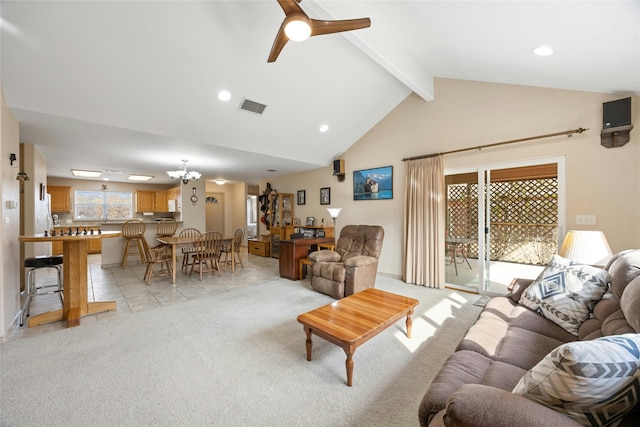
(298, 26)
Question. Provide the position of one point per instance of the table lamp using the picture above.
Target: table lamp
(586, 247)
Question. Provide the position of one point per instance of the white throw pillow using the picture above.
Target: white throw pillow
(594, 382)
(565, 292)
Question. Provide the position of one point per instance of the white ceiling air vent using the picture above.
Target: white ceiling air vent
(252, 106)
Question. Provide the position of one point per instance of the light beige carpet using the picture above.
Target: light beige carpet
(233, 359)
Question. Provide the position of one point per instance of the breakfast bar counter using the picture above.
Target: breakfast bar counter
(75, 302)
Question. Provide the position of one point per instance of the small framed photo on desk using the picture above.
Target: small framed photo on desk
(320, 233)
(310, 221)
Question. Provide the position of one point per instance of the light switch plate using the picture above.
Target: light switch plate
(585, 219)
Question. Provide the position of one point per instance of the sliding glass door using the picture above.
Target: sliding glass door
(502, 223)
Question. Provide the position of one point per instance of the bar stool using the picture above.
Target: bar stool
(166, 227)
(327, 246)
(132, 232)
(303, 262)
(32, 290)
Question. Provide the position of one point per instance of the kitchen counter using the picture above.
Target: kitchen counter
(112, 249)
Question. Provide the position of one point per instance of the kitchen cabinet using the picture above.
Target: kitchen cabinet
(173, 193)
(60, 198)
(160, 203)
(145, 201)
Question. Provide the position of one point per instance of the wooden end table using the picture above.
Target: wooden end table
(356, 319)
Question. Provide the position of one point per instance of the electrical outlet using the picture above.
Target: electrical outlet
(585, 220)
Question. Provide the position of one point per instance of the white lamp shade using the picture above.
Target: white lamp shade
(334, 212)
(586, 247)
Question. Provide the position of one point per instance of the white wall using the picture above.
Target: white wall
(600, 181)
(9, 232)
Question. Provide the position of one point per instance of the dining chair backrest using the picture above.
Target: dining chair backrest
(132, 228)
(166, 227)
(190, 233)
(209, 245)
(238, 235)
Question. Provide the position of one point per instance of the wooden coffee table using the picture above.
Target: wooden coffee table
(356, 319)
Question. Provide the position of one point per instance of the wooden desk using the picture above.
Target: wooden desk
(75, 301)
(177, 242)
(354, 320)
(293, 250)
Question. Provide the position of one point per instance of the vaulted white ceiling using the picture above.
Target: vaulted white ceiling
(131, 86)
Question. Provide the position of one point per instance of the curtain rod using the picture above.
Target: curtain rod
(480, 147)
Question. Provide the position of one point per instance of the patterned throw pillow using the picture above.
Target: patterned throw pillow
(565, 292)
(594, 382)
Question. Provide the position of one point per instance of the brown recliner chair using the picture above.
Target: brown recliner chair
(352, 266)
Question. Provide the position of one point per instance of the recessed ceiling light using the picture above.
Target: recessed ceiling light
(86, 174)
(134, 177)
(324, 128)
(224, 95)
(543, 51)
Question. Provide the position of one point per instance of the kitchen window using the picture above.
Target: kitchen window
(103, 205)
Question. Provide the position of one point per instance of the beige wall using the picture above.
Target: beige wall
(9, 232)
(600, 181)
(235, 196)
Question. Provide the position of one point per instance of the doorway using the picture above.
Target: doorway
(252, 216)
(501, 223)
(214, 212)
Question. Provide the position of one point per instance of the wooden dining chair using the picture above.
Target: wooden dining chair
(238, 236)
(166, 227)
(207, 254)
(189, 233)
(156, 255)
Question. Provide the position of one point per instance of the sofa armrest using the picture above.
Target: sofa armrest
(484, 406)
(517, 287)
(360, 261)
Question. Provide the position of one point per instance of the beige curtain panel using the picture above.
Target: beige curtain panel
(424, 222)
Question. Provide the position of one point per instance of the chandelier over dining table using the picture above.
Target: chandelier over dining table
(183, 174)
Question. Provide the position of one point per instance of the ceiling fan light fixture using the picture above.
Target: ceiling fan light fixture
(297, 27)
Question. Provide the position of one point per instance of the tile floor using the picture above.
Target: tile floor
(127, 288)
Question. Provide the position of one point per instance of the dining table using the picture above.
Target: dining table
(177, 242)
(75, 291)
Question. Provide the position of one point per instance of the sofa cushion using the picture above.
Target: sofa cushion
(594, 382)
(630, 303)
(466, 367)
(565, 292)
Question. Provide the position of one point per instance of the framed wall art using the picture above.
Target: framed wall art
(325, 196)
(310, 221)
(302, 197)
(373, 184)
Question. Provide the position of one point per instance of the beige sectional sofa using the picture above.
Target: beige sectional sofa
(510, 346)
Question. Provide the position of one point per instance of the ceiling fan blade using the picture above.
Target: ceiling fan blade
(319, 27)
(290, 6)
(278, 44)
